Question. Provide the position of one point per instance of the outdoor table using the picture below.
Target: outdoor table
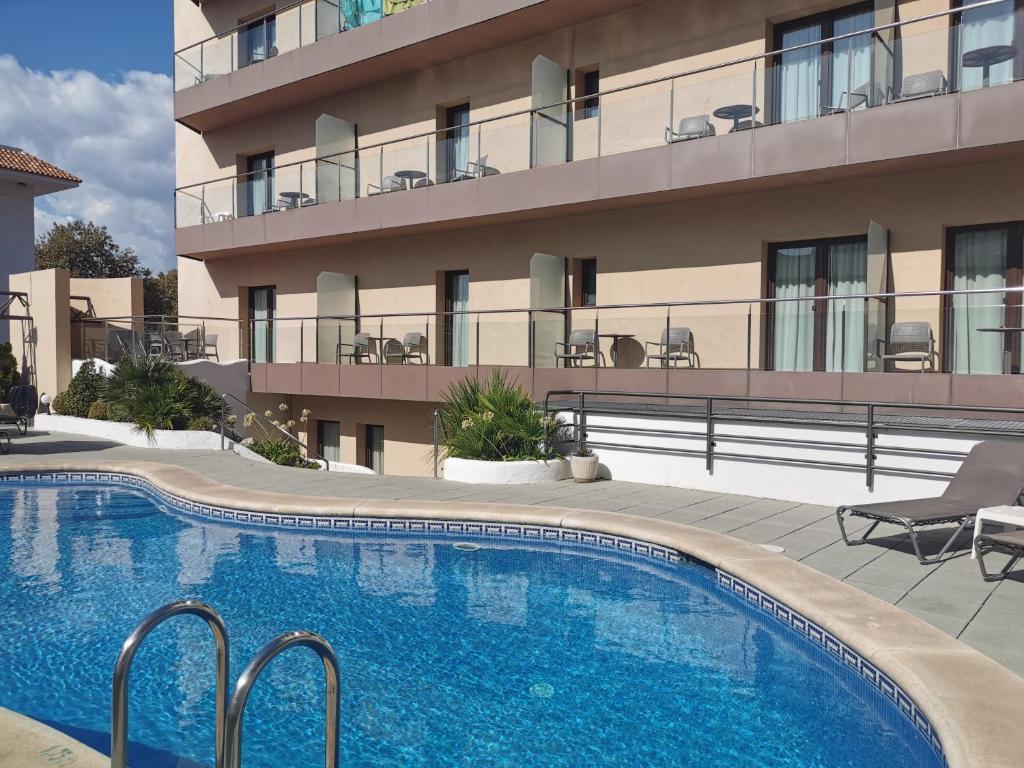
(411, 176)
(1008, 515)
(1009, 332)
(736, 112)
(988, 57)
(615, 345)
(382, 344)
(294, 198)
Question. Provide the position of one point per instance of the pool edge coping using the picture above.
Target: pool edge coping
(975, 723)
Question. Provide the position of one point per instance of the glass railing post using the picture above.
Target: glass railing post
(750, 335)
(381, 340)
(478, 341)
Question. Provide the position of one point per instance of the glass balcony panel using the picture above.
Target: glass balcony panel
(548, 329)
(295, 27)
(989, 50)
(188, 207)
(504, 145)
(632, 119)
(714, 103)
(504, 339)
(188, 68)
(328, 18)
(407, 164)
(219, 56)
(295, 186)
(720, 334)
(919, 62)
(286, 340)
(219, 201)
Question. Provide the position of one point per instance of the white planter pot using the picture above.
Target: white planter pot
(505, 472)
(584, 468)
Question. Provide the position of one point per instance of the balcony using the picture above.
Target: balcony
(960, 348)
(314, 50)
(744, 125)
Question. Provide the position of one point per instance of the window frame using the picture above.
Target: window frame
(821, 247)
(1013, 317)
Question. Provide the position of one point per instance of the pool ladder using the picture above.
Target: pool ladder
(228, 738)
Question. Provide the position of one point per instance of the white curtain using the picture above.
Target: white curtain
(851, 58)
(460, 322)
(793, 338)
(979, 261)
(981, 28)
(847, 274)
(800, 75)
(262, 344)
(330, 440)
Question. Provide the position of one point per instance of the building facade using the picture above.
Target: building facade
(785, 198)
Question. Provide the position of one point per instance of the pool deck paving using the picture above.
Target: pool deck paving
(951, 596)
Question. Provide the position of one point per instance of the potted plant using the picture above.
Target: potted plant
(584, 464)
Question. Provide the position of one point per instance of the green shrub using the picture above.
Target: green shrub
(283, 452)
(98, 410)
(153, 393)
(8, 371)
(201, 424)
(82, 392)
(496, 421)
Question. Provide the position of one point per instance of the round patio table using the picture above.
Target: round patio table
(294, 198)
(736, 112)
(621, 361)
(988, 57)
(411, 176)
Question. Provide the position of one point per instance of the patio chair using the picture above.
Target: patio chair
(909, 342)
(209, 348)
(848, 101)
(1008, 543)
(389, 184)
(362, 348)
(675, 346)
(746, 125)
(696, 127)
(154, 344)
(920, 86)
(175, 345)
(992, 475)
(394, 352)
(581, 346)
(21, 405)
(414, 347)
(477, 169)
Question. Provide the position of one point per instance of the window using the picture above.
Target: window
(455, 322)
(373, 448)
(259, 184)
(816, 80)
(258, 41)
(588, 84)
(588, 283)
(455, 140)
(817, 335)
(984, 257)
(261, 324)
(328, 440)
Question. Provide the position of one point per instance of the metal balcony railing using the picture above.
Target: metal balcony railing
(835, 77)
(977, 331)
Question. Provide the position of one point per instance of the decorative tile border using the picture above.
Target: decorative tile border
(764, 602)
(840, 650)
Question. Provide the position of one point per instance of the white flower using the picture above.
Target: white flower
(232, 419)
(487, 416)
(268, 413)
(290, 423)
(306, 412)
(248, 441)
(467, 423)
(283, 408)
(249, 419)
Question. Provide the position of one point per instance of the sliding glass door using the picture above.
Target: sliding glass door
(258, 41)
(805, 332)
(328, 439)
(259, 184)
(261, 324)
(817, 79)
(456, 321)
(981, 336)
(456, 143)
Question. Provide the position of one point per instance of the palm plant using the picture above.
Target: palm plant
(496, 420)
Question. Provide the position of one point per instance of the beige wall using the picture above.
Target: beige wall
(687, 251)
(662, 38)
(43, 346)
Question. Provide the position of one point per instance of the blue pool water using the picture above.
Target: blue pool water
(511, 655)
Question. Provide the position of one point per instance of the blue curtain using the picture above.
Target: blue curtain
(359, 12)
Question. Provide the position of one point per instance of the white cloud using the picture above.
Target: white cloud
(118, 136)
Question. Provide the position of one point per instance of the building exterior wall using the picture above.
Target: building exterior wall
(17, 235)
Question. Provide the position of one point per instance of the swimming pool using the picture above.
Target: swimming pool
(516, 653)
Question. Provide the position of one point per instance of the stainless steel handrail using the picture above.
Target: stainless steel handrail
(119, 701)
(236, 709)
(873, 31)
(281, 430)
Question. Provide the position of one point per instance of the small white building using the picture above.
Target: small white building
(23, 178)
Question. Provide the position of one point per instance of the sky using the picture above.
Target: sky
(87, 86)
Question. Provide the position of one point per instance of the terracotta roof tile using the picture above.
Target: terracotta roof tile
(13, 159)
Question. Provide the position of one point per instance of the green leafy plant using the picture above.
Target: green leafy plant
(281, 451)
(98, 410)
(82, 392)
(496, 420)
(153, 393)
(8, 371)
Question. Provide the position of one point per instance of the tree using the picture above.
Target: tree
(86, 250)
(161, 293)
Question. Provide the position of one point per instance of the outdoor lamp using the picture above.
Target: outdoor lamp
(45, 400)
